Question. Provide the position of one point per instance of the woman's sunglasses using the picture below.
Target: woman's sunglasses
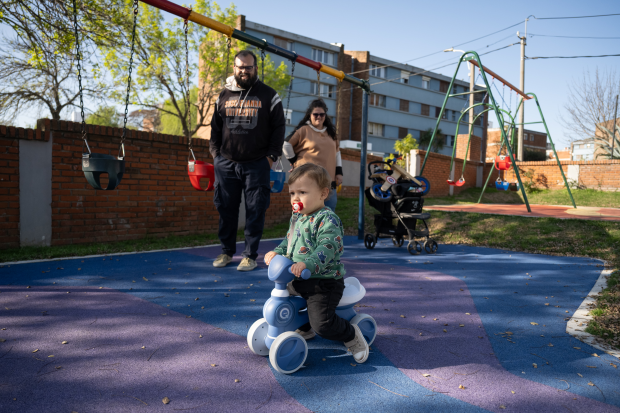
(318, 115)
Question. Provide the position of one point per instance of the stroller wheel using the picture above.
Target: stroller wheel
(398, 241)
(414, 248)
(370, 241)
(430, 246)
(379, 195)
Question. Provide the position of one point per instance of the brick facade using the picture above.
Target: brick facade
(437, 172)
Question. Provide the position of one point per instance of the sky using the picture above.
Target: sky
(405, 30)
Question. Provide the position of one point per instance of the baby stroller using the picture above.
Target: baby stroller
(398, 197)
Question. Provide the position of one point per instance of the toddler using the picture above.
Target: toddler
(314, 242)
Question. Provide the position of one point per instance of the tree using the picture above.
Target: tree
(37, 50)
(591, 103)
(160, 65)
(438, 142)
(404, 147)
(105, 116)
(607, 144)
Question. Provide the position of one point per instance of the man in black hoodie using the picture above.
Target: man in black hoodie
(247, 133)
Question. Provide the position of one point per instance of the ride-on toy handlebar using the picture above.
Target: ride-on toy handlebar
(280, 271)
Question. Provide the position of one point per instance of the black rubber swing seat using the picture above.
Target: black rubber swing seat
(95, 164)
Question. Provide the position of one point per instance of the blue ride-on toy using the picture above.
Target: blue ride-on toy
(274, 334)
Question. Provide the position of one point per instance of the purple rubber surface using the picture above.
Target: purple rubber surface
(461, 355)
(103, 367)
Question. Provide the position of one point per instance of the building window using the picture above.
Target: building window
(375, 129)
(576, 146)
(425, 110)
(288, 115)
(377, 100)
(437, 110)
(404, 105)
(443, 86)
(323, 56)
(449, 140)
(404, 77)
(377, 71)
(327, 91)
(402, 133)
(426, 82)
(587, 145)
(283, 43)
(454, 115)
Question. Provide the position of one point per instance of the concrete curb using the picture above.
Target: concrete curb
(579, 321)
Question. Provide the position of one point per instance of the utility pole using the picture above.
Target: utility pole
(613, 136)
(472, 79)
(522, 87)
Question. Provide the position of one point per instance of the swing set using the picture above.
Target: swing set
(94, 165)
(502, 163)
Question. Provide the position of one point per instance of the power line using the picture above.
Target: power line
(573, 37)
(569, 57)
(441, 51)
(575, 17)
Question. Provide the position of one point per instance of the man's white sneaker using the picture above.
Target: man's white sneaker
(247, 264)
(222, 260)
(358, 346)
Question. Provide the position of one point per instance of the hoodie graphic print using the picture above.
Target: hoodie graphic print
(247, 125)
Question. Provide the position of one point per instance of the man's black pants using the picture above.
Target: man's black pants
(323, 297)
(231, 179)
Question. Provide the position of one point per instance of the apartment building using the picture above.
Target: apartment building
(405, 100)
(534, 144)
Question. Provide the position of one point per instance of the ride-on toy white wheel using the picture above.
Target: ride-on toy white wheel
(367, 325)
(288, 352)
(256, 337)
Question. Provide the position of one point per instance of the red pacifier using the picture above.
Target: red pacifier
(298, 206)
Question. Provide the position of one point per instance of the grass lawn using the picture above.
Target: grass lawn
(564, 237)
(583, 197)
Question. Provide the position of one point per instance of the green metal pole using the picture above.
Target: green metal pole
(494, 104)
(553, 147)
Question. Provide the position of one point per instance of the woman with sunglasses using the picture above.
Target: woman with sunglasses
(314, 141)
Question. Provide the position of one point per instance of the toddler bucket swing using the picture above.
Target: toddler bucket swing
(96, 164)
(501, 185)
(196, 170)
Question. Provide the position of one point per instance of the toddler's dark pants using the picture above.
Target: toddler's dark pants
(323, 297)
(231, 179)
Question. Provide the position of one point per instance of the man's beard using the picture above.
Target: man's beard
(247, 82)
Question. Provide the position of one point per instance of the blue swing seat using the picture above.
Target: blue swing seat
(278, 178)
(501, 186)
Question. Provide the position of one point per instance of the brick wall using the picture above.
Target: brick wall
(474, 147)
(9, 184)
(437, 172)
(600, 175)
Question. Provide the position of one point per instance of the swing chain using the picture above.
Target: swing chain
(188, 95)
(290, 88)
(228, 46)
(262, 63)
(133, 42)
(318, 83)
(78, 56)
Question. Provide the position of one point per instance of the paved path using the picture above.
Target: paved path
(108, 308)
(546, 211)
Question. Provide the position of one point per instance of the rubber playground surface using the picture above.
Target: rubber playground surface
(545, 211)
(466, 330)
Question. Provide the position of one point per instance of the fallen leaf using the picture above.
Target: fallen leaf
(200, 336)
(579, 375)
(213, 365)
(535, 365)
(445, 331)
(615, 366)
(550, 345)
(461, 387)
(426, 375)
(145, 279)
(512, 391)
(591, 367)
(590, 384)
(546, 303)
(461, 325)
(467, 313)
(35, 350)
(196, 299)
(502, 406)
(435, 319)
(578, 348)
(402, 316)
(165, 400)
(252, 299)
(595, 355)
(353, 364)
(65, 342)
(143, 347)
(534, 324)
(51, 356)
(324, 360)
(237, 380)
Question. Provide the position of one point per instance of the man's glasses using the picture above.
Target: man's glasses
(246, 68)
(318, 115)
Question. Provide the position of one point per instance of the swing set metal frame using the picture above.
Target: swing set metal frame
(473, 58)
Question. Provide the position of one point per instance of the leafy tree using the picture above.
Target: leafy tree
(37, 51)
(105, 116)
(404, 147)
(438, 142)
(160, 65)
